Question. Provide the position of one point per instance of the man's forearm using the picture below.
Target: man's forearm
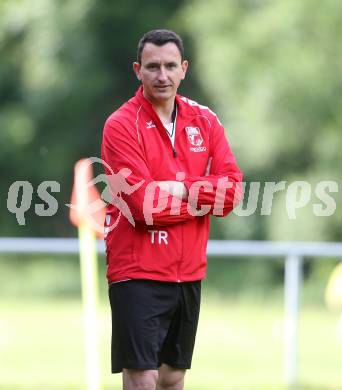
(174, 188)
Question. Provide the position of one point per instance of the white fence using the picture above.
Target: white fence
(293, 252)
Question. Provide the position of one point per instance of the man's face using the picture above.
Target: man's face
(161, 71)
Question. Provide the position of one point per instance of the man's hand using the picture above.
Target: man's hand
(175, 188)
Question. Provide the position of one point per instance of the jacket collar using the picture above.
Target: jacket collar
(184, 110)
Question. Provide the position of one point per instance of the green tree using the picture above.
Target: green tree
(65, 66)
(272, 70)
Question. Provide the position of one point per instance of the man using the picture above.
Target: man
(169, 166)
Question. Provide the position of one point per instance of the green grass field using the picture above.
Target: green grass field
(239, 346)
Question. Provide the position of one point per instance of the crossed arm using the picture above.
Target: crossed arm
(120, 150)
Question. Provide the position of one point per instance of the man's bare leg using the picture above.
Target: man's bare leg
(170, 378)
(139, 379)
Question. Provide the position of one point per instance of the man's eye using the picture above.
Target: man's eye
(171, 66)
(152, 67)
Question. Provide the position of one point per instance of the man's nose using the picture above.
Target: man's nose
(162, 76)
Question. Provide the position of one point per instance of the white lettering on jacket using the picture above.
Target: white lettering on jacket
(198, 149)
(162, 236)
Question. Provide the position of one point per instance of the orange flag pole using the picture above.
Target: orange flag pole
(87, 212)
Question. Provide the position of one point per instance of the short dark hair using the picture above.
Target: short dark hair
(160, 37)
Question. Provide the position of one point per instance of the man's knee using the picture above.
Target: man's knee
(140, 379)
(170, 378)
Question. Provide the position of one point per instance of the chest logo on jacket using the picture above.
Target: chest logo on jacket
(195, 139)
(150, 125)
(194, 136)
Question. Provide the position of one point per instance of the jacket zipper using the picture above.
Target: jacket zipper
(174, 117)
(181, 226)
(181, 257)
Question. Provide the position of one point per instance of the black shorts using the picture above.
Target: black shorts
(153, 323)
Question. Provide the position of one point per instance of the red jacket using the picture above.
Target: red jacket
(167, 242)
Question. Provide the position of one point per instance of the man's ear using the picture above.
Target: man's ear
(136, 70)
(185, 66)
